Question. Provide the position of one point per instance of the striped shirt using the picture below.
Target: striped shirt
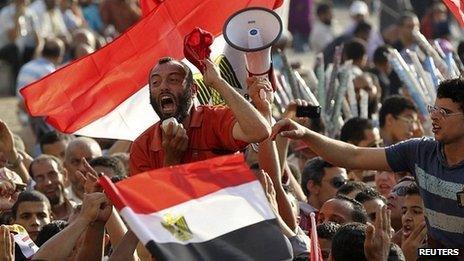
(33, 71)
(438, 183)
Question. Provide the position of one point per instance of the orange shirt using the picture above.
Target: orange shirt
(210, 135)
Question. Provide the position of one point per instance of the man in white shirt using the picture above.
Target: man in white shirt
(322, 33)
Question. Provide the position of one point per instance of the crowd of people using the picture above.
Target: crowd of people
(382, 178)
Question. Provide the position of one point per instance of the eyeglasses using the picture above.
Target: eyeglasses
(409, 121)
(443, 113)
(400, 191)
(337, 182)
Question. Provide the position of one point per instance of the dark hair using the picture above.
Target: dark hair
(313, 170)
(29, 196)
(394, 105)
(114, 164)
(354, 50)
(380, 56)
(167, 59)
(362, 27)
(406, 15)
(45, 157)
(406, 178)
(369, 194)
(359, 213)
(353, 130)
(452, 89)
(351, 186)
(348, 243)
(49, 230)
(52, 137)
(327, 230)
(323, 8)
(412, 189)
(52, 48)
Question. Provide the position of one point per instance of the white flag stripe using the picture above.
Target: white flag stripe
(207, 217)
(125, 122)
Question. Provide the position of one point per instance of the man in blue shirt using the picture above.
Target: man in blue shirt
(437, 164)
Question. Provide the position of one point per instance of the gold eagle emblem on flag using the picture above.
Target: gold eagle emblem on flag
(177, 226)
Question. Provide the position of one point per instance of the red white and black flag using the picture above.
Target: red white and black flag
(457, 8)
(208, 210)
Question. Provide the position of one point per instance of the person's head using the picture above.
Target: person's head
(359, 11)
(396, 200)
(77, 150)
(32, 211)
(51, 4)
(82, 50)
(360, 132)
(380, 59)
(110, 167)
(54, 143)
(362, 31)
(320, 181)
(325, 233)
(371, 200)
(398, 119)
(50, 176)
(384, 182)
(16, 184)
(407, 24)
(351, 188)
(341, 210)
(447, 113)
(53, 50)
(123, 157)
(366, 82)
(171, 89)
(412, 210)
(348, 243)
(324, 13)
(84, 36)
(355, 50)
(49, 230)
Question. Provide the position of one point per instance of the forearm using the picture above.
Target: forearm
(18, 166)
(93, 243)
(282, 149)
(119, 146)
(125, 250)
(116, 228)
(61, 245)
(252, 124)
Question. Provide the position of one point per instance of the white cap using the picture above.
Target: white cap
(359, 8)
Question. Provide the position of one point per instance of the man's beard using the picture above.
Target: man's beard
(184, 102)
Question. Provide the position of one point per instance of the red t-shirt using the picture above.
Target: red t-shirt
(210, 135)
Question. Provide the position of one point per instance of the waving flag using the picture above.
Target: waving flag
(209, 210)
(457, 8)
(105, 94)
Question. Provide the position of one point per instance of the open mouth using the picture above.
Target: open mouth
(435, 127)
(407, 229)
(167, 104)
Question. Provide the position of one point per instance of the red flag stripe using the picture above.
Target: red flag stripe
(159, 189)
(88, 89)
(457, 8)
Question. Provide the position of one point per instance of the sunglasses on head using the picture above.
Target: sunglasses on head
(400, 191)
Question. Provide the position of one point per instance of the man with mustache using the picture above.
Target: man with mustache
(437, 164)
(203, 131)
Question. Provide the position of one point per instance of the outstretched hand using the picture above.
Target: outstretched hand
(89, 179)
(7, 244)
(95, 207)
(261, 93)
(377, 243)
(289, 129)
(413, 242)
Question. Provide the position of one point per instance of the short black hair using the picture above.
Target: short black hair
(327, 230)
(52, 137)
(452, 89)
(412, 189)
(52, 48)
(406, 15)
(359, 213)
(353, 130)
(354, 50)
(323, 8)
(30, 196)
(348, 243)
(380, 54)
(369, 194)
(351, 186)
(167, 59)
(394, 105)
(110, 162)
(49, 230)
(45, 157)
(362, 27)
(313, 170)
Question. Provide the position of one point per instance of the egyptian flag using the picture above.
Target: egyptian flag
(210, 210)
(105, 94)
(457, 8)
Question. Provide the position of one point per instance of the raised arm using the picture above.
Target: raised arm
(336, 152)
(250, 126)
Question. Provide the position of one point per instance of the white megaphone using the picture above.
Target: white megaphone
(254, 30)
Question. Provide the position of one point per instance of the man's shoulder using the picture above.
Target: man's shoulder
(147, 134)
